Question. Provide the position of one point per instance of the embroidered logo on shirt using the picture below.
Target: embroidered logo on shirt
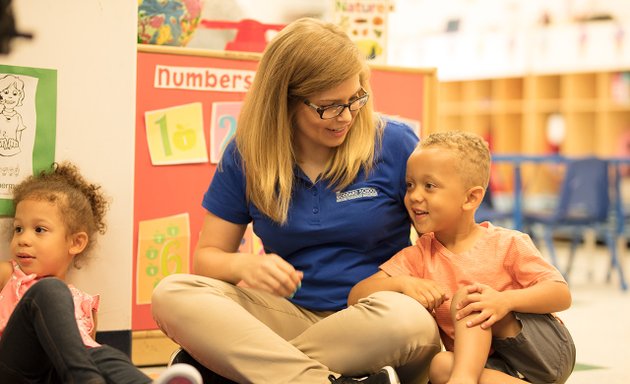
(356, 194)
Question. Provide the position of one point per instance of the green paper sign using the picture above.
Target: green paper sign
(28, 121)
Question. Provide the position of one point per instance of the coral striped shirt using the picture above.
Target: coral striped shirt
(502, 259)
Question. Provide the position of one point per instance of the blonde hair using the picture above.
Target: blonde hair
(82, 205)
(307, 57)
(471, 152)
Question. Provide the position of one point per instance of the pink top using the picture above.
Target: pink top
(19, 283)
(502, 259)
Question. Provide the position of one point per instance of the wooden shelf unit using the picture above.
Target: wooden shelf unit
(512, 113)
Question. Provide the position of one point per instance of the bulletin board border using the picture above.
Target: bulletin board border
(430, 87)
(183, 51)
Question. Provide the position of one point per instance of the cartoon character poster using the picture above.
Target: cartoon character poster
(28, 116)
(365, 21)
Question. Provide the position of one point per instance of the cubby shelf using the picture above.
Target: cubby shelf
(519, 107)
(513, 114)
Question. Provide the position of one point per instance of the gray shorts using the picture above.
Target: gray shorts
(543, 352)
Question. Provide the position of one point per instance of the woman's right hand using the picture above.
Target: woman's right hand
(273, 274)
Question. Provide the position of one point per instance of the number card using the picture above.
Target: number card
(250, 243)
(223, 126)
(163, 249)
(246, 245)
(175, 135)
(257, 246)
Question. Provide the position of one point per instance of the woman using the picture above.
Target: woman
(323, 181)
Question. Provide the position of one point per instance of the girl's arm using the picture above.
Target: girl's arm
(426, 292)
(6, 269)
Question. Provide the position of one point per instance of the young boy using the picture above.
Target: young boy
(490, 290)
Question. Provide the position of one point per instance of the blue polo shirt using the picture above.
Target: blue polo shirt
(335, 238)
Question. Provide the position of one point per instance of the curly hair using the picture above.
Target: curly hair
(82, 205)
(471, 150)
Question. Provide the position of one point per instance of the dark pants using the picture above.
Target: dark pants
(42, 344)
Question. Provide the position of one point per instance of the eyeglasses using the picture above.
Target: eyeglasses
(332, 111)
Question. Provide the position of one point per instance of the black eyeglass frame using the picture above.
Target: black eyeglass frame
(320, 110)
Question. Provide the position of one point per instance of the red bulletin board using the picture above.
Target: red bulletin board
(168, 190)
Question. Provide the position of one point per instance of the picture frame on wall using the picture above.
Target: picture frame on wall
(28, 123)
(366, 23)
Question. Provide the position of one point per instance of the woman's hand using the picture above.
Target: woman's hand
(217, 256)
(272, 274)
(426, 292)
(488, 302)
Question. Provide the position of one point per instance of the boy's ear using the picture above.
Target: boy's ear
(79, 241)
(474, 196)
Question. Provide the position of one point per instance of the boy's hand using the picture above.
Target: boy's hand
(489, 303)
(426, 292)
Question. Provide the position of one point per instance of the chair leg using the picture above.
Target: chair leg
(613, 252)
(548, 237)
(615, 263)
(572, 251)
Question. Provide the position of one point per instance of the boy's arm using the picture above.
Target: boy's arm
(380, 281)
(426, 292)
(544, 297)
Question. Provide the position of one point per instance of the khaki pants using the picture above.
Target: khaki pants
(250, 336)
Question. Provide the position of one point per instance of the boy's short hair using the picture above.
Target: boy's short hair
(472, 153)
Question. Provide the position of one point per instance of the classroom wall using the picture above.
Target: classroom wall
(92, 45)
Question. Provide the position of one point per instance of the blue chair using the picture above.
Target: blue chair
(488, 212)
(621, 218)
(583, 203)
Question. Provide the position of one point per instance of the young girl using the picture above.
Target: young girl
(47, 327)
